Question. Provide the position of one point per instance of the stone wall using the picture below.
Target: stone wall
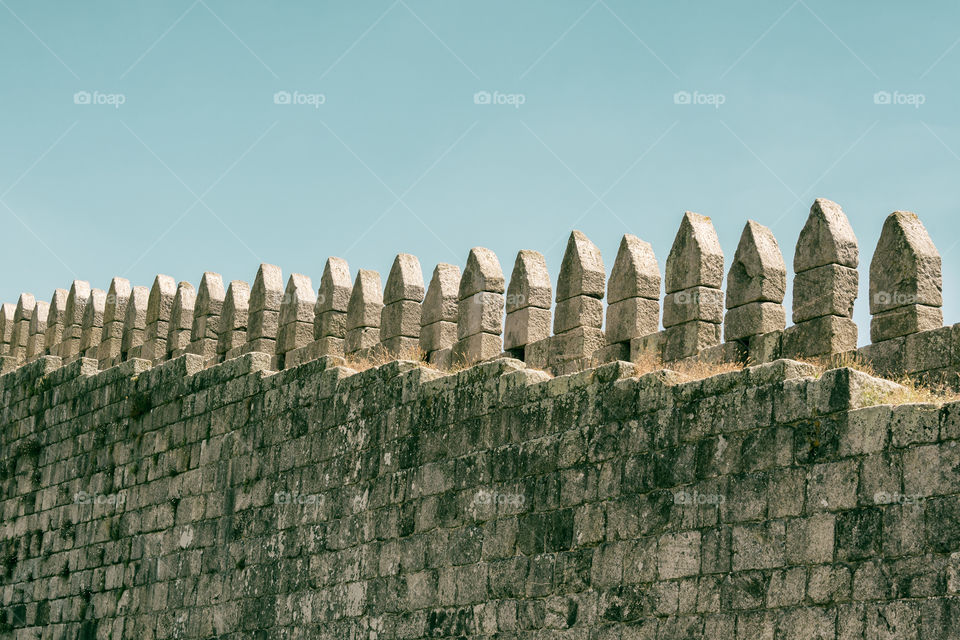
(183, 501)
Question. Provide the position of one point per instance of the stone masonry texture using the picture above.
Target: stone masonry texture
(175, 501)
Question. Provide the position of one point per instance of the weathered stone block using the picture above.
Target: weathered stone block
(697, 303)
(361, 338)
(524, 326)
(903, 321)
(529, 282)
(401, 318)
(635, 273)
(438, 335)
(766, 347)
(820, 336)
(581, 342)
(695, 259)
(476, 348)
(758, 273)
(906, 267)
(481, 312)
(826, 238)
(582, 272)
(631, 318)
(755, 318)
(332, 324)
(824, 291)
(687, 339)
(578, 311)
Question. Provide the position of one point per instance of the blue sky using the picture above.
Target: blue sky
(388, 150)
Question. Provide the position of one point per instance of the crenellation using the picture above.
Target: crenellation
(905, 280)
(181, 320)
(159, 308)
(363, 313)
(438, 319)
(114, 317)
(20, 335)
(401, 316)
(36, 344)
(460, 320)
(756, 286)
(76, 304)
(480, 307)
(208, 308)
(92, 328)
(693, 305)
(263, 323)
(233, 321)
(134, 325)
(825, 285)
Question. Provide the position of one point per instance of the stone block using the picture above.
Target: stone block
(826, 238)
(687, 339)
(361, 338)
(755, 318)
(438, 335)
(821, 336)
(647, 348)
(887, 357)
(758, 273)
(582, 272)
(904, 321)
(331, 324)
(765, 348)
(578, 311)
(929, 350)
(403, 346)
(480, 312)
(631, 318)
(529, 282)
(524, 326)
(635, 272)
(698, 303)
(695, 259)
(477, 348)
(536, 355)
(829, 290)
(401, 318)
(581, 342)
(906, 267)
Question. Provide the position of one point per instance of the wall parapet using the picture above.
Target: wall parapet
(457, 321)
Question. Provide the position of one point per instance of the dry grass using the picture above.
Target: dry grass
(689, 370)
(379, 355)
(911, 391)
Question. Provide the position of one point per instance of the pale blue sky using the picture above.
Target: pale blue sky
(199, 169)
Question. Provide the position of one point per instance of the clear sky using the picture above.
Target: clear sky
(182, 157)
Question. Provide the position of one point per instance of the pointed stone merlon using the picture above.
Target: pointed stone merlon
(92, 331)
(363, 313)
(633, 293)
(333, 298)
(693, 306)
(21, 327)
(159, 309)
(480, 306)
(825, 285)
(55, 320)
(206, 316)
(73, 320)
(402, 307)
(528, 303)
(181, 320)
(233, 321)
(135, 324)
(438, 321)
(906, 280)
(297, 311)
(36, 344)
(756, 285)
(114, 316)
(264, 321)
(7, 313)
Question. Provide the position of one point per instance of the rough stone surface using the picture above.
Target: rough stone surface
(55, 321)
(635, 272)
(36, 344)
(696, 303)
(904, 321)
(829, 290)
(405, 281)
(579, 311)
(233, 320)
(826, 238)
(529, 282)
(181, 320)
(906, 267)
(755, 318)
(482, 273)
(582, 272)
(524, 326)
(335, 286)
(135, 322)
(440, 303)
(631, 318)
(496, 502)
(695, 259)
(758, 273)
(159, 308)
(820, 336)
